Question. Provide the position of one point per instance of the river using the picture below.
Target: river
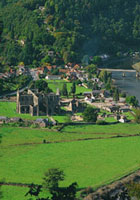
(129, 84)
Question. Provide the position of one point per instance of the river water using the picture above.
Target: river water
(129, 84)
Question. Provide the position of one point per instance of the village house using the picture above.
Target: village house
(53, 77)
(37, 104)
(123, 119)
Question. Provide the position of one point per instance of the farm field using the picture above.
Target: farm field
(90, 163)
(16, 135)
(119, 128)
(59, 84)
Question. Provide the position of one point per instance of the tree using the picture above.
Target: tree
(132, 101)
(41, 85)
(116, 95)
(104, 76)
(64, 90)
(136, 115)
(97, 60)
(90, 114)
(91, 69)
(73, 88)
(52, 178)
(51, 183)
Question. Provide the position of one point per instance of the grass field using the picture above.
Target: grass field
(16, 135)
(128, 128)
(59, 84)
(8, 109)
(90, 163)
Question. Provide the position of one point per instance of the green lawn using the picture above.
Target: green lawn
(120, 128)
(16, 135)
(59, 84)
(90, 163)
(8, 109)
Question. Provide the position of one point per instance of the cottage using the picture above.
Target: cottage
(53, 77)
(124, 109)
(123, 119)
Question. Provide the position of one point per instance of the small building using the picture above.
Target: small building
(124, 109)
(53, 77)
(51, 53)
(123, 119)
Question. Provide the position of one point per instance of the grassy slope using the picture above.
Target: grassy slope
(128, 128)
(90, 163)
(59, 84)
(15, 135)
(8, 109)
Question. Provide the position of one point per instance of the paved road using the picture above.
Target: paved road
(117, 70)
(34, 76)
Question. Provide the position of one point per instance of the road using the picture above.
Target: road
(117, 70)
(34, 76)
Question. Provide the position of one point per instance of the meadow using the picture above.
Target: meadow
(89, 163)
(8, 109)
(119, 128)
(54, 84)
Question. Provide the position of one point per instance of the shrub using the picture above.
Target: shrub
(90, 114)
(101, 122)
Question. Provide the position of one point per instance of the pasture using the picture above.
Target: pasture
(54, 84)
(90, 163)
(8, 109)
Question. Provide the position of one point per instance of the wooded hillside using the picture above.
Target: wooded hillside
(69, 29)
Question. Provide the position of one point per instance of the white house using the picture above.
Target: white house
(53, 77)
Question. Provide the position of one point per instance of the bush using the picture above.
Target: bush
(86, 191)
(101, 122)
(90, 114)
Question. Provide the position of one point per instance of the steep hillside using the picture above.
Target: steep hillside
(69, 29)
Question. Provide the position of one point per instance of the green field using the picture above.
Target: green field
(59, 84)
(8, 109)
(16, 135)
(128, 128)
(90, 163)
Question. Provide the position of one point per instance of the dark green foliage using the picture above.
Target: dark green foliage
(64, 90)
(91, 69)
(90, 114)
(51, 183)
(116, 95)
(14, 83)
(136, 115)
(41, 85)
(105, 76)
(52, 178)
(133, 190)
(72, 29)
(101, 122)
(132, 101)
(73, 88)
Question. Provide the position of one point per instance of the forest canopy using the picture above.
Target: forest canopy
(69, 29)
